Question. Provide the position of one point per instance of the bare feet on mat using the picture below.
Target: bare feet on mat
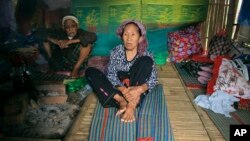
(122, 104)
(129, 115)
(122, 108)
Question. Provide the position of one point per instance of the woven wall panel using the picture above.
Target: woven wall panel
(104, 16)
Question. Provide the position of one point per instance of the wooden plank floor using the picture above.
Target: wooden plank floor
(189, 122)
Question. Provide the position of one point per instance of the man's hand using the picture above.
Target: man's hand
(64, 43)
(74, 73)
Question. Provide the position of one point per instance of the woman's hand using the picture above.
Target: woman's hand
(133, 94)
(123, 89)
(129, 94)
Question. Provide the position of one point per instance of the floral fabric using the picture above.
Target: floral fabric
(231, 81)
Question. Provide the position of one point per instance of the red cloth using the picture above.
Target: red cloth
(244, 104)
(201, 58)
(145, 139)
(216, 67)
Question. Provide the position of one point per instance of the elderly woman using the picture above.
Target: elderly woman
(69, 49)
(130, 75)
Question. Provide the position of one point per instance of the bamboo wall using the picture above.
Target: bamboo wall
(221, 16)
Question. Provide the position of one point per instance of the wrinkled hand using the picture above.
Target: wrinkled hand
(133, 94)
(124, 90)
(63, 43)
(74, 73)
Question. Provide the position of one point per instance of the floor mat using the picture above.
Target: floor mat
(223, 123)
(152, 122)
(189, 81)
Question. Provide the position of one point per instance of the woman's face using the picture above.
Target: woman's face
(131, 36)
(70, 27)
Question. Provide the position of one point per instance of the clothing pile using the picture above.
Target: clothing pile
(219, 102)
(231, 70)
(199, 67)
(224, 69)
(229, 78)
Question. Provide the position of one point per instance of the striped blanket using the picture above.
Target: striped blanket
(152, 122)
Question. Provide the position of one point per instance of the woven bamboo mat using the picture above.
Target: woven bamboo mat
(80, 129)
(189, 123)
(207, 124)
(223, 123)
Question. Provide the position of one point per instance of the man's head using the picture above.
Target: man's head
(70, 25)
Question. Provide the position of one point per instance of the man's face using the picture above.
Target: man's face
(70, 27)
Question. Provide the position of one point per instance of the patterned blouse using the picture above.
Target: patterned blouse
(118, 62)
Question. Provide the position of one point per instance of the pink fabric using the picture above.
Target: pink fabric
(207, 69)
(203, 80)
(205, 74)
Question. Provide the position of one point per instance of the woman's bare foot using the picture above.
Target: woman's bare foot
(122, 104)
(122, 108)
(129, 115)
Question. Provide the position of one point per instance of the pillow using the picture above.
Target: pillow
(231, 81)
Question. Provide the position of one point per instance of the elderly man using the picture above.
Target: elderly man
(69, 49)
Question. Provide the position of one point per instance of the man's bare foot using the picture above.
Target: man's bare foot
(129, 115)
(122, 104)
